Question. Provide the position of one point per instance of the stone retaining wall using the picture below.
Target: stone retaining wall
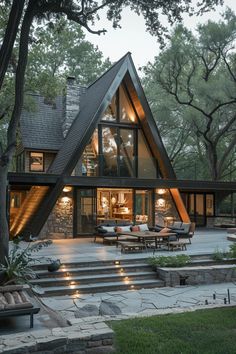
(197, 275)
(79, 339)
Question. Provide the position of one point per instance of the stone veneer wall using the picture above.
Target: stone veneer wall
(60, 221)
(198, 275)
(72, 103)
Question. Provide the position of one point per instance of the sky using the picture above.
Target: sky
(134, 38)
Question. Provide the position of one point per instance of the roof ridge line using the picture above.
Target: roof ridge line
(112, 66)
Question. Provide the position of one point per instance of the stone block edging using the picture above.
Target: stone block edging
(197, 275)
(93, 338)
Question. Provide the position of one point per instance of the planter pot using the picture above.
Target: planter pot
(54, 266)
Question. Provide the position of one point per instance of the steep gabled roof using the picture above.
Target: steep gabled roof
(95, 101)
(41, 128)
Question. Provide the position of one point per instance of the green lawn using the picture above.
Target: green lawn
(200, 332)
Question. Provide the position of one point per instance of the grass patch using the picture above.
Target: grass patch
(200, 332)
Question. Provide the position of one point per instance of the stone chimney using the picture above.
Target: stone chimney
(74, 91)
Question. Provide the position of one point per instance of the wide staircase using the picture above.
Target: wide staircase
(95, 277)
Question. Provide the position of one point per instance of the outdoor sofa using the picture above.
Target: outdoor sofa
(181, 229)
(109, 231)
(15, 302)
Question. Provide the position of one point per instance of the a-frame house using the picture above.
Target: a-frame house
(106, 161)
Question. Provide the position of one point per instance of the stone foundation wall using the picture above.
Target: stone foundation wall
(60, 222)
(220, 220)
(79, 339)
(197, 275)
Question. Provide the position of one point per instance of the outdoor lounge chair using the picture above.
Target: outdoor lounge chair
(14, 302)
(186, 231)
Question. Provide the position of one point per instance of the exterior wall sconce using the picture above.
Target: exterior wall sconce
(67, 189)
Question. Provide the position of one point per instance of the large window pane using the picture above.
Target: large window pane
(126, 153)
(127, 113)
(109, 150)
(114, 204)
(146, 163)
(110, 113)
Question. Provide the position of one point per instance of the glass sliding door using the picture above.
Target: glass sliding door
(85, 211)
(144, 206)
(199, 206)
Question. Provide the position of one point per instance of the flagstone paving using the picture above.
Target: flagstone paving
(145, 301)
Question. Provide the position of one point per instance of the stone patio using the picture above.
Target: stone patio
(84, 249)
(87, 330)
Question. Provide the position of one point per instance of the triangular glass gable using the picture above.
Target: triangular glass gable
(118, 146)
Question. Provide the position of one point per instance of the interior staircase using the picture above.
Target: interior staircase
(89, 159)
(96, 277)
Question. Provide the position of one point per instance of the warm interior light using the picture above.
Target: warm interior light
(161, 203)
(67, 189)
(116, 262)
(65, 200)
(161, 191)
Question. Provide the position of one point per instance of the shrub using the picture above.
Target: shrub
(232, 251)
(18, 264)
(169, 261)
(218, 255)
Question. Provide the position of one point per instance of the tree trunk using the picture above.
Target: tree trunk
(4, 230)
(10, 36)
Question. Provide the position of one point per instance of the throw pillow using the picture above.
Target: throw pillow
(108, 228)
(143, 227)
(135, 228)
(165, 229)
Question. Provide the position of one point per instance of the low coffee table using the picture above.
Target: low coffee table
(146, 236)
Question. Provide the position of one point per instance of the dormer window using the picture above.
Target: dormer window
(36, 161)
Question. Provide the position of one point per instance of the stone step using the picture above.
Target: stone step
(93, 270)
(102, 287)
(87, 279)
(41, 266)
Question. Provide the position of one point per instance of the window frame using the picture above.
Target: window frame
(30, 163)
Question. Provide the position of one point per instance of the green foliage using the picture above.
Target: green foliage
(179, 260)
(18, 264)
(191, 89)
(200, 332)
(232, 251)
(218, 255)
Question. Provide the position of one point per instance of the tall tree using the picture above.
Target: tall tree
(21, 16)
(197, 74)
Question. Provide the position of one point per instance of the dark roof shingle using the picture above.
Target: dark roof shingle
(41, 128)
